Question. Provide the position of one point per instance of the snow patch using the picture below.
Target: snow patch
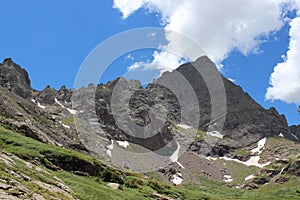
(227, 179)
(281, 135)
(249, 177)
(210, 158)
(215, 134)
(174, 156)
(33, 100)
(71, 111)
(177, 179)
(123, 144)
(108, 151)
(40, 106)
(111, 146)
(64, 125)
(253, 161)
(56, 101)
(281, 171)
(260, 145)
(180, 165)
(295, 136)
(184, 126)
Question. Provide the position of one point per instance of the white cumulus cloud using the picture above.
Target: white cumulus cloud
(219, 26)
(127, 6)
(285, 80)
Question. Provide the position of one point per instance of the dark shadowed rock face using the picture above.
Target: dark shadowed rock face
(246, 121)
(294, 133)
(47, 96)
(243, 114)
(15, 78)
(20, 111)
(136, 112)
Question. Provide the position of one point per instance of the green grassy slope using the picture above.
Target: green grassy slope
(91, 183)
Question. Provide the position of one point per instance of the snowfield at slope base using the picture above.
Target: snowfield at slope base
(174, 156)
(253, 160)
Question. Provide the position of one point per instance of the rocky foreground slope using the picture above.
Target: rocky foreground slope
(243, 146)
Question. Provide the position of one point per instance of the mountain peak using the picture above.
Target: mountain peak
(203, 58)
(15, 78)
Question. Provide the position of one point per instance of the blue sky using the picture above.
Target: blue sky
(51, 39)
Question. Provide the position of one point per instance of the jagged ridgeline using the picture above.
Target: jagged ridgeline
(254, 149)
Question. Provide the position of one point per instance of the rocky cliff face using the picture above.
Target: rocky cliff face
(294, 133)
(245, 121)
(15, 78)
(29, 114)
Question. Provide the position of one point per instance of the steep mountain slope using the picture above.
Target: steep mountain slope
(246, 122)
(20, 112)
(253, 150)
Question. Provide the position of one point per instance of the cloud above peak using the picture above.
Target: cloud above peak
(285, 80)
(219, 26)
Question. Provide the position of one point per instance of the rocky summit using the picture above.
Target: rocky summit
(218, 142)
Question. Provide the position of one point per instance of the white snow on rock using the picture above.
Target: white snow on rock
(281, 135)
(124, 144)
(56, 101)
(174, 156)
(227, 179)
(215, 134)
(212, 125)
(249, 177)
(295, 136)
(253, 161)
(260, 145)
(179, 174)
(177, 179)
(64, 125)
(33, 100)
(40, 106)
(281, 171)
(180, 165)
(71, 111)
(109, 148)
(184, 126)
(210, 158)
(108, 151)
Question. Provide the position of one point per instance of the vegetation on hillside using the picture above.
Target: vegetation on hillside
(87, 177)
